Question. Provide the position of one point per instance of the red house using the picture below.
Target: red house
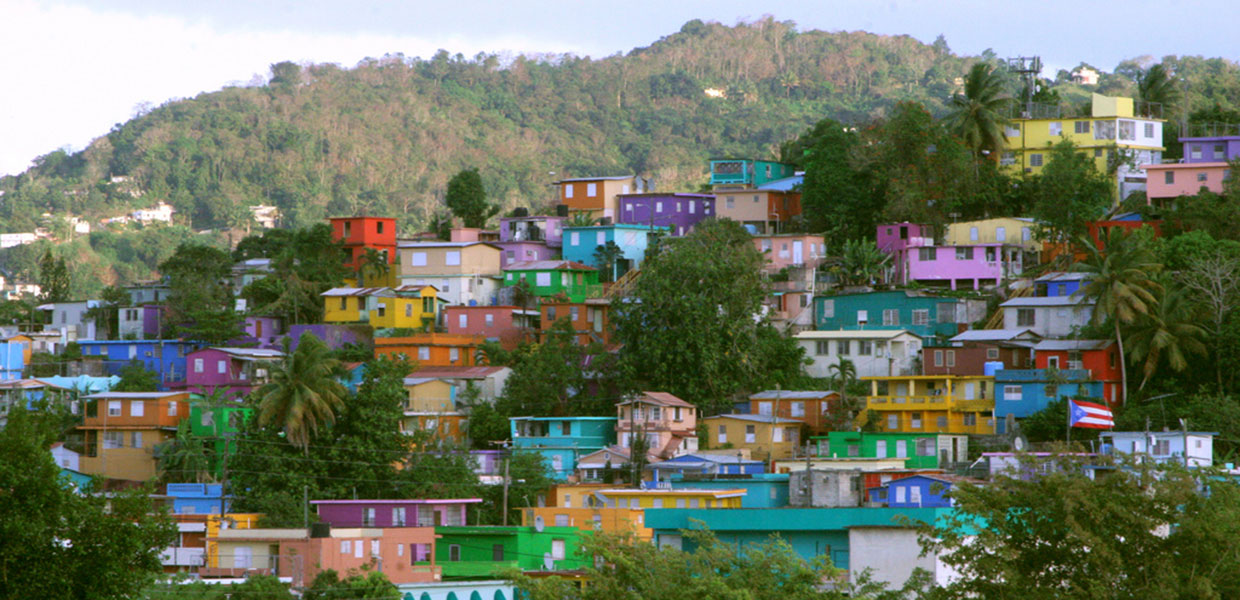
(508, 325)
(358, 234)
(1100, 357)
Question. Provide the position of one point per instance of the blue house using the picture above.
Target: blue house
(1022, 392)
(917, 491)
(747, 172)
(1062, 284)
(762, 490)
(706, 465)
(562, 441)
(197, 498)
(165, 357)
(580, 243)
(13, 360)
(922, 314)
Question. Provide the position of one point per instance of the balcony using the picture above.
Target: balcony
(882, 403)
(183, 557)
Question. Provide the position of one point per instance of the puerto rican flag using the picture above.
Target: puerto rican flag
(1088, 414)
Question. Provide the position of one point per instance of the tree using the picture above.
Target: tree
(1166, 333)
(838, 198)
(1213, 281)
(136, 378)
(303, 394)
(861, 264)
(1069, 192)
(105, 313)
(606, 258)
(66, 543)
(1119, 269)
(693, 325)
(184, 458)
(200, 304)
(54, 282)
(1158, 86)
(468, 199)
(550, 378)
(373, 268)
(979, 111)
(328, 585)
(1142, 531)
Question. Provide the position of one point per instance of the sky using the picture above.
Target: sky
(72, 70)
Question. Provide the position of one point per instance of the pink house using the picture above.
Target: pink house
(668, 423)
(791, 250)
(508, 325)
(239, 370)
(1184, 179)
(916, 258)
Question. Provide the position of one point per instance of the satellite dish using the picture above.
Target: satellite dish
(548, 562)
(1019, 443)
(538, 523)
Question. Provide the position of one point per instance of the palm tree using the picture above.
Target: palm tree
(1158, 86)
(861, 263)
(303, 394)
(1167, 332)
(184, 458)
(580, 219)
(843, 374)
(978, 112)
(1119, 270)
(372, 265)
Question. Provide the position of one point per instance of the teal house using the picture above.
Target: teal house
(747, 172)
(480, 552)
(762, 490)
(548, 278)
(922, 450)
(562, 441)
(580, 244)
(922, 314)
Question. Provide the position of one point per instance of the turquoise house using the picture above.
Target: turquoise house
(1022, 392)
(811, 532)
(762, 490)
(747, 172)
(580, 243)
(922, 314)
(562, 441)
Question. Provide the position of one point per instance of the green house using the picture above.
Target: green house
(553, 277)
(478, 552)
(747, 172)
(215, 425)
(922, 450)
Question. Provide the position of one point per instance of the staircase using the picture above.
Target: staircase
(623, 286)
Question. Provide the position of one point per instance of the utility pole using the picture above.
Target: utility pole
(774, 424)
(305, 506)
(505, 521)
(223, 477)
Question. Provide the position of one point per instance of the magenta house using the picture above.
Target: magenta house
(525, 237)
(508, 325)
(394, 513)
(915, 257)
(679, 212)
(238, 370)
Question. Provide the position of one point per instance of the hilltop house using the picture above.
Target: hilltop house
(668, 423)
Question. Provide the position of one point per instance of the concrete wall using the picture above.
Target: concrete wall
(891, 554)
(825, 489)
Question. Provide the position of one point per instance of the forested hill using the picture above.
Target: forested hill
(385, 136)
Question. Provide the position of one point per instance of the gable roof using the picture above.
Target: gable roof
(854, 334)
(995, 335)
(658, 398)
(1036, 301)
(458, 372)
(758, 419)
(1053, 345)
(548, 265)
(793, 395)
(441, 244)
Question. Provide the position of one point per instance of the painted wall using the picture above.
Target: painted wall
(428, 259)
(764, 490)
(826, 348)
(925, 316)
(432, 349)
(546, 229)
(677, 212)
(1210, 149)
(763, 439)
(523, 251)
(1185, 179)
(165, 357)
(933, 404)
(999, 230)
(577, 283)
(919, 451)
(580, 243)
(392, 513)
(589, 319)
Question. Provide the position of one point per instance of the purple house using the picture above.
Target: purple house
(239, 370)
(139, 322)
(915, 257)
(680, 212)
(335, 336)
(525, 238)
(266, 332)
(393, 513)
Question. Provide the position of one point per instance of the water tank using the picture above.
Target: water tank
(320, 530)
(605, 221)
(990, 367)
(561, 210)
(520, 211)
(473, 302)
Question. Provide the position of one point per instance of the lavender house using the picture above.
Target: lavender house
(335, 336)
(525, 238)
(393, 513)
(267, 332)
(139, 322)
(239, 370)
(680, 212)
(917, 258)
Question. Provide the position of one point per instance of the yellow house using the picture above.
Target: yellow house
(1016, 231)
(765, 437)
(597, 518)
(1115, 129)
(932, 403)
(234, 521)
(431, 407)
(409, 307)
(668, 498)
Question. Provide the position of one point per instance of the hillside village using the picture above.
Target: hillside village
(928, 359)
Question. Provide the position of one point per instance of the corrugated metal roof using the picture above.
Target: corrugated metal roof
(793, 395)
(548, 265)
(783, 185)
(348, 291)
(853, 334)
(992, 335)
(1072, 344)
(1049, 301)
(660, 398)
(757, 418)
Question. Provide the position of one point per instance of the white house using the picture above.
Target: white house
(161, 212)
(70, 320)
(1164, 446)
(875, 352)
(65, 458)
(1052, 317)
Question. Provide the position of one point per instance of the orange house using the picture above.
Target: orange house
(589, 319)
(432, 349)
(121, 429)
(810, 407)
(358, 234)
(596, 195)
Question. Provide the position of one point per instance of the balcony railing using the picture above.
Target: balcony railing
(183, 557)
(927, 403)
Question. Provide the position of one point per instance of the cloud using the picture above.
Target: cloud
(73, 72)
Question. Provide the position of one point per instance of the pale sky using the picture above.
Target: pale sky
(71, 70)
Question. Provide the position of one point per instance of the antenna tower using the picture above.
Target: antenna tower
(1028, 68)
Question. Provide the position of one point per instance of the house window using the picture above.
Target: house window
(221, 366)
(417, 259)
(921, 316)
(822, 348)
(398, 516)
(1162, 447)
(893, 421)
(1081, 126)
(379, 227)
(992, 353)
(1000, 234)
(1035, 159)
(550, 313)
(543, 279)
(497, 550)
(452, 258)
(970, 419)
(136, 439)
(137, 408)
(951, 358)
(344, 304)
(1218, 148)
(574, 238)
(380, 309)
(891, 316)
(454, 552)
(842, 347)
(557, 549)
(938, 358)
(1055, 128)
(408, 310)
(797, 409)
(346, 546)
(591, 190)
(1169, 177)
(1127, 130)
(454, 354)
(1011, 392)
(865, 348)
(424, 353)
(1195, 151)
(574, 312)
(112, 439)
(927, 254)
(658, 207)
(828, 308)
(1149, 130)
(915, 420)
(750, 434)
(1007, 158)
(568, 191)
(1201, 177)
(722, 436)
(462, 321)
(488, 319)
(368, 517)
(1104, 130)
(925, 446)
(114, 408)
(1024, 317)
(964, 253)
(172, 409)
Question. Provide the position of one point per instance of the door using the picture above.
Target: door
(880, 449)
(969, 394)
(243, 557)
(798, 252)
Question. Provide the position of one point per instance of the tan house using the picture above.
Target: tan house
(668, 423)
(121, 429)
(598, 196)
(757, 208)
(431, 407)
(765, 437)
(460, 271)
(1014, 231)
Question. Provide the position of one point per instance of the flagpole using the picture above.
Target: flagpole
(1068, 425)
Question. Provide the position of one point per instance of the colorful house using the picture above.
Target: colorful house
(485, 552)
(1050, 317)
(588, 318)
(813, 408)
(931, 403)
(139, 322)
(547, 278)
(873, 352)
(581, 243)
(166, 358)
(218, 425)
(489, 381)
(394, 513)
(620, 520)
(1012, 231)
(359, 234)
(1206, 164)
(237, 370)
(407, 307)
(791, 250)
(197, 498)
(917, 258)
(1185, 448)
(918, 450)
(263, 332)
(432, 349)
(121, 429)
(1061, 284)
(526, 237)
(562, 440)
(668, 423)
(703, 465)
(1022, 392)
(980, 352)
(762, 490)
(921, 314)
(916, 491)
(431, 407)
(1099, 357)
(27, 393)
(508, 325)
(741, 173)
(614, 464)
(684, 497)
(673, 212)
(599, 196)
(765, 437)
(761, 211)
(462, 272)
(70, 319)
(407, 554)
